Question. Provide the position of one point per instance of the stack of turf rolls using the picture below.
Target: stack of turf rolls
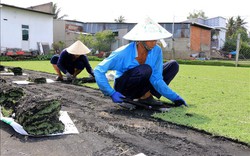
(10, 97)
(37, 80)
(2, 80)
(40, 116)
(17, 70)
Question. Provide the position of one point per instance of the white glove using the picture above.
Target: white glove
(69, 76)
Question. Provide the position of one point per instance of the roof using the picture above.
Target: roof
(192, 23)
(27, 9)
(201, 25)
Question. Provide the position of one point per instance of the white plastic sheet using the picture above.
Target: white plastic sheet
(70, 127)
(25, 82)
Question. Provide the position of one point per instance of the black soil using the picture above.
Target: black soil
(106, 129)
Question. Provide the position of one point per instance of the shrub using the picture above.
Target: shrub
(245, 50)
(6, 58)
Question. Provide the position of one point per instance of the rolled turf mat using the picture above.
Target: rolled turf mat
(2, 68)
(10, 97)
(17, 70)
(38, 80)
(40, 116)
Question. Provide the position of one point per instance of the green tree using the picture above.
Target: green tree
(243, 35)
(235, 24)
(120, 19)
(101, 41)
(197, 14)
(88, 40)
(56, 11)
(231, 27)
(240, 23)
(104, 40)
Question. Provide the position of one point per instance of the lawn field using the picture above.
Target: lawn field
(218, 97)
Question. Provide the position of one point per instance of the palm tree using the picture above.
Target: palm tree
(231, 28)
(120, 19)
(235, 24)
(240, 23)
(56, 11)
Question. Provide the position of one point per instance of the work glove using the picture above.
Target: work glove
(180, 101)
(117, 97)
(69, 76)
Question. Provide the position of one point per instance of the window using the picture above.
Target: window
(25, 32)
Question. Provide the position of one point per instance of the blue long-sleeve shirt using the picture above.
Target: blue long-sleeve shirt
(66, 62)
(124, 59)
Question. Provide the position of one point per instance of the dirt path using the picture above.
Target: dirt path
(106, 129)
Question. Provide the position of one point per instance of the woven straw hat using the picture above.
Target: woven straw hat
(147, 30)
(78, 48)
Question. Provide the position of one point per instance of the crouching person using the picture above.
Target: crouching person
(72, 61)
(140, 72)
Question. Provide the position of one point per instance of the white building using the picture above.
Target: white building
(219, 36)
(24, 28)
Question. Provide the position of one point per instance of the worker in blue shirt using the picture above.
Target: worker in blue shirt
(72, 61)
(140, 72)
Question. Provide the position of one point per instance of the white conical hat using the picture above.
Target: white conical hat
(78, 48)
(147, 30)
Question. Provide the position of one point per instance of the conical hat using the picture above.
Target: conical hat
(147, 30)
(78, 48)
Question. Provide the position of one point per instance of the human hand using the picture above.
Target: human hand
(117, 97)
(180, 101)
(69, 76)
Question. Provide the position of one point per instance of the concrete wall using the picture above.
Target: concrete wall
(66, 32)
(40, 28)
(59, 30)
(62, 33)
(181, 49)
(191, 38)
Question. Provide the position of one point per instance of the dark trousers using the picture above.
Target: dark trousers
(134, 83)
(79, 64)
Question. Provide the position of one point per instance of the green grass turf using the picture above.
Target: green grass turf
(218, 97)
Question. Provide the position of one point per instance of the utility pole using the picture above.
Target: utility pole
(237, 50)
(173, 50)
(0, 30)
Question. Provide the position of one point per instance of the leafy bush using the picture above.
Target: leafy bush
(230, 45)
(6, 58)
(211, 63)
(101, 41)
(245, 50)
(58, 46)
(43, 57)
(94, 58)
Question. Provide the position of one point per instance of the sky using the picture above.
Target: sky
(135, 10)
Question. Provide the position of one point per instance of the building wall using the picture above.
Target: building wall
(40, 28)
(68, 31)
(200, 39)
(216, 22)
(220, 24)
(59, 30)
(183, 46)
